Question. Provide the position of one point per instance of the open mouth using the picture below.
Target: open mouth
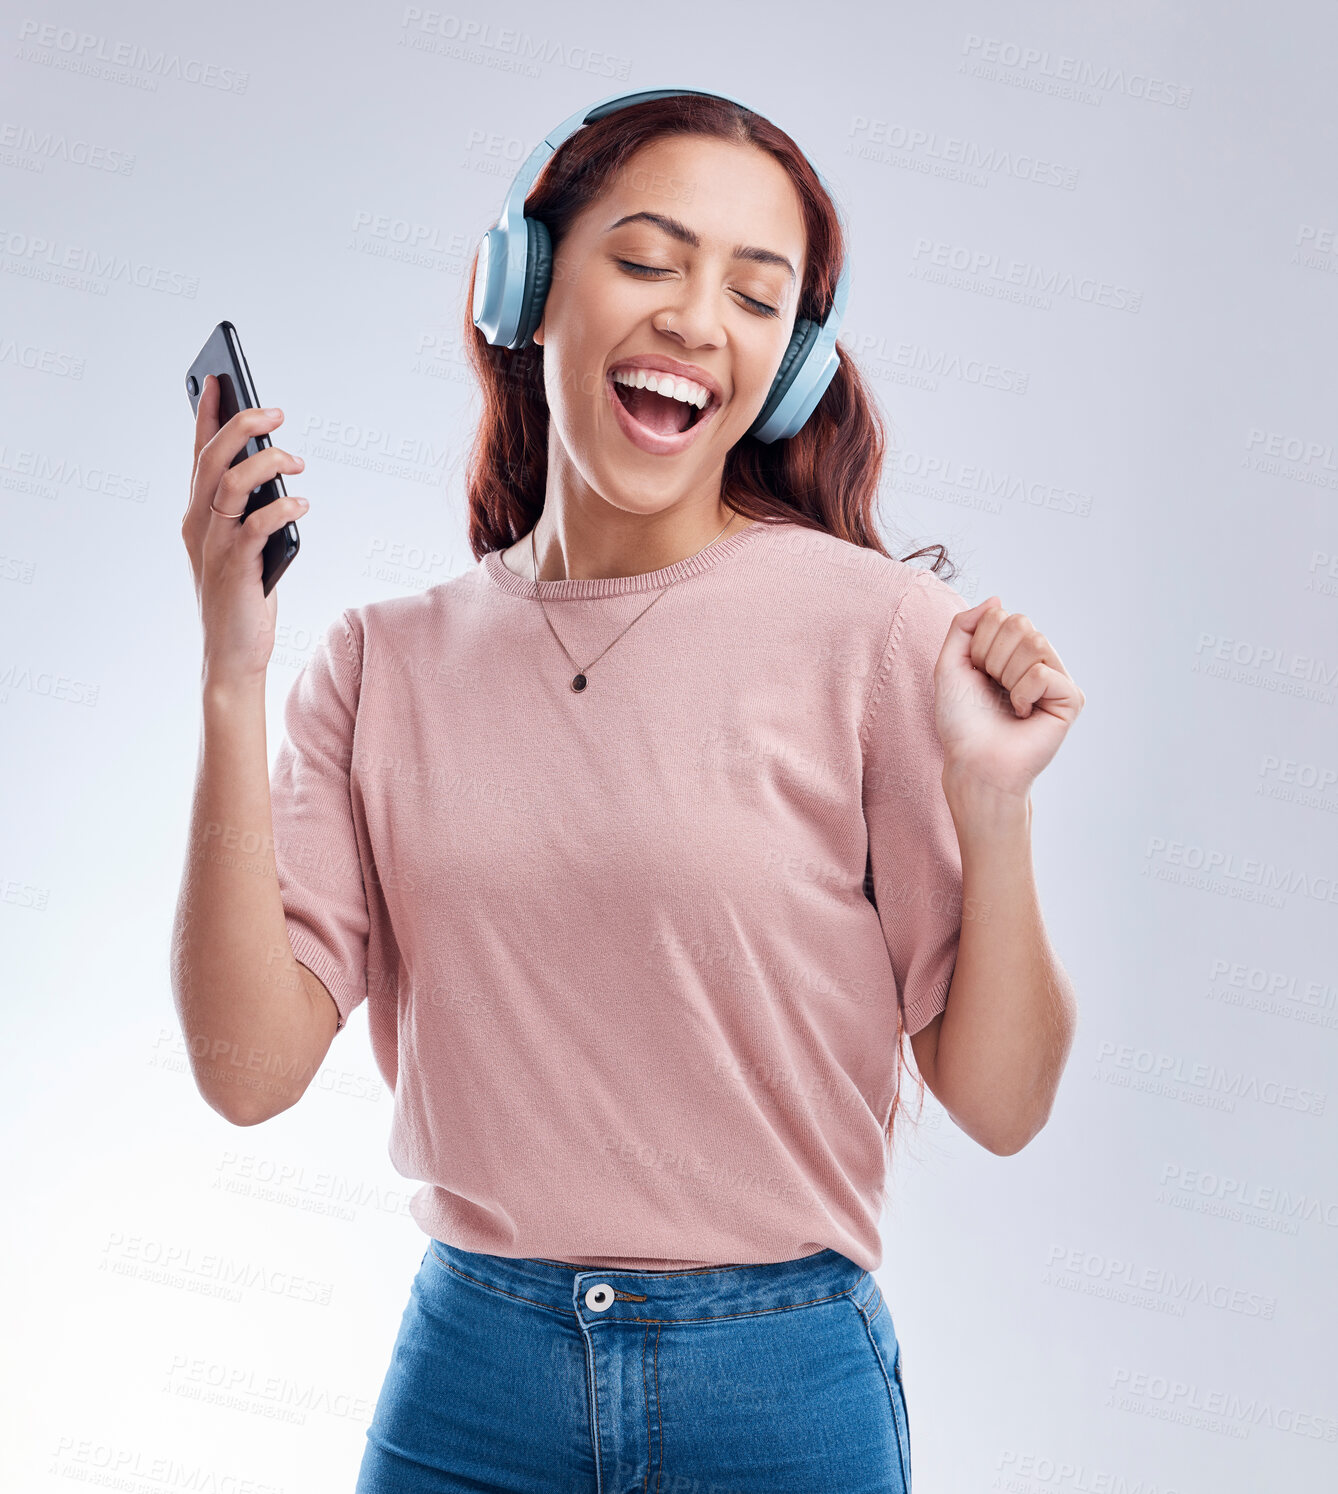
(661, 414)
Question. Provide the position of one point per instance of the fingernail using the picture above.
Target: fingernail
(299, 461)
(302, 503)
(273, 410)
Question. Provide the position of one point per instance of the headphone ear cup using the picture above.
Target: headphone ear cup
(805, 334)
(538, 276)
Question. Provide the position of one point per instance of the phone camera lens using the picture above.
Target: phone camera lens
(192, 384)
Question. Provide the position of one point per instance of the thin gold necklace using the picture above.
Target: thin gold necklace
(579, 681)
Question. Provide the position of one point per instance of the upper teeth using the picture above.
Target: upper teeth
(687, 390)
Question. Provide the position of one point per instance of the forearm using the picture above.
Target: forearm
(246, 1012)
(1011, 1012)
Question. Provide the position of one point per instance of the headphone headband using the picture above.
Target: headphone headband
(514, 268)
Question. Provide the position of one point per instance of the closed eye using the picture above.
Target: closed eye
(640, 271)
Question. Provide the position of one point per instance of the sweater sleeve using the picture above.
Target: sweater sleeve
(914, 856)
(315, 831)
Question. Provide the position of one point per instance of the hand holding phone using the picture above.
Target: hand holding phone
(222, 358)
(232, 523)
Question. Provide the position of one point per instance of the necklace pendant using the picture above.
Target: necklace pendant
(579, 683)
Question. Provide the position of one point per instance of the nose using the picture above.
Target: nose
(693, 316)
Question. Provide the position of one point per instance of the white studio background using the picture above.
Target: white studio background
(1093, 282)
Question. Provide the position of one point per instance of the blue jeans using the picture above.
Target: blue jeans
(526, 1375)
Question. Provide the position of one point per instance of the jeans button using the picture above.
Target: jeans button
(599, 1298)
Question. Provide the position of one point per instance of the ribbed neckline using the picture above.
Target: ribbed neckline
(616, 586)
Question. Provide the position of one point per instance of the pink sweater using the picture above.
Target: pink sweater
(620, 966)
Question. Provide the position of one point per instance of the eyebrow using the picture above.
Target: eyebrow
(682, 232)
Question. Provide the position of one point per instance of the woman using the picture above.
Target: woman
(645, 841)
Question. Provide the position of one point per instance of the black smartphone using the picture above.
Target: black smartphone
(222, 356)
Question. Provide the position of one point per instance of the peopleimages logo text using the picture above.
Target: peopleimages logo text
(89, 46)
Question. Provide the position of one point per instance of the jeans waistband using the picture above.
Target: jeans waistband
(664, 1296)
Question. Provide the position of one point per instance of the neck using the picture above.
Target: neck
(576, 552)
(586, 538)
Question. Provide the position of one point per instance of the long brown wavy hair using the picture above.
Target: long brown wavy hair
(826, 477)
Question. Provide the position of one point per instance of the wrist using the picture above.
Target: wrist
(971, 797)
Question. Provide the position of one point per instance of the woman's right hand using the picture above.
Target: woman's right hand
(237, 617)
